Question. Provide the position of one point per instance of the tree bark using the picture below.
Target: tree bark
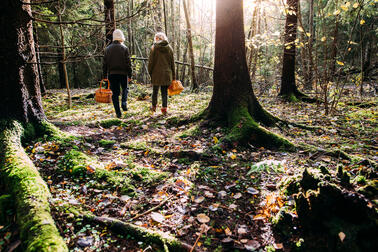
(109, 21)
(288, 86)
(233, 99)
(20, 97)
(190, 45)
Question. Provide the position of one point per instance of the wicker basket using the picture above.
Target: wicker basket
(104, 95)
(175, 88)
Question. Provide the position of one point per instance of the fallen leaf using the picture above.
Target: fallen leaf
(199, 199)
(227, 231)
(252, 191)
(342, 236)
(222, 194)
(237, 195)
(157, 217)
(203, 218)
(252, 245)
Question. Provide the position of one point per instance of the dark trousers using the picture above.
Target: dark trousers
(164, 95)
(116, 82)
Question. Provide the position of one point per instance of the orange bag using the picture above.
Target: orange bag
(175, 88)
(104, 95)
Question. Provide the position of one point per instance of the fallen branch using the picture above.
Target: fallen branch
(152, 209)
(164, 240)
(37, 228)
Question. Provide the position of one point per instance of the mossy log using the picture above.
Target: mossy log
(244, 129)
(22, 180)
(164, 240)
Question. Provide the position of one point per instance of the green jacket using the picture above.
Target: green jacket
(161, 64)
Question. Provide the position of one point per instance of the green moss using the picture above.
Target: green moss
(6, 207)
(106, 143)
(245, 130)
(370, 190)
(111, 122)
(30, 193)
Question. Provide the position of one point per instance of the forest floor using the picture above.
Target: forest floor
(233, 192)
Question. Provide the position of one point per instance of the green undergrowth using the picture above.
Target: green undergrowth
(29, 192)
(125, 179)
(333, 212)
(111, 122)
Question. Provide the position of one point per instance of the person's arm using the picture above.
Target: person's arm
(150, 61)
(129, 69)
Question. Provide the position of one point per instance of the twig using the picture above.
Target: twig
(195, 244)
(152, 209)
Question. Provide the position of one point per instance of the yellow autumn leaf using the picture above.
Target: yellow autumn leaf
(308, 34)
(215, 139)
(344, 7)
(300, 29)
(362, 22)
(323, 39)
(356, 5)
(233, 156)
(340, 63)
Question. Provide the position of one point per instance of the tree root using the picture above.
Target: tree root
(299, 96)
(164, 240)
(37, 228)
(337, 154)
(245, 130)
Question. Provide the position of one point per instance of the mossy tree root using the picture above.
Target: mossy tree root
(169, 243)
(337, 154)
(244, 130)
(37, 228)
(297, 95)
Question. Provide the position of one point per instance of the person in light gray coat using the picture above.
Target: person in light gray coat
(117, 68)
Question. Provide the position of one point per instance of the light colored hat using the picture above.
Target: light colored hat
(118, 35)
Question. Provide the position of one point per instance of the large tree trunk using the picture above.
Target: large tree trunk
(109, 21)
(190, 45)
(20, 101)
(233, 99)
(20, 97)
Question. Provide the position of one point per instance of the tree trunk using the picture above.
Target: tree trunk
(334, 45)
(109, 21)
(233, 99)
(20, 100)
(20, 97)
(64, 57)
(310, 64)
(190, 45)
(40, 75)
(288, 86)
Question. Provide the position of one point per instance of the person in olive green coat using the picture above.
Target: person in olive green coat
(161, 67)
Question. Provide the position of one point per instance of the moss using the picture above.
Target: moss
(245, 130)
(6, 207)
(111, 122)
(162, 239)
(37, 228)
(370, 190)
(106, 143)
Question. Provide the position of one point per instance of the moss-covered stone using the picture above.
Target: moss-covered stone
(106, 143)
(111, 122)
(370, 190)
(30, 193)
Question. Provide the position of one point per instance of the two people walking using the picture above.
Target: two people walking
(117, 67)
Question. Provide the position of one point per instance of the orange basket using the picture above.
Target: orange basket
(104, 95)
(175, 88)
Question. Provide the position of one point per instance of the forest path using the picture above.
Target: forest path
(176, 167)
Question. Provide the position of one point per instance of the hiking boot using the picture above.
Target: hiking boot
(164, 110)
(124, 106)
(119, 115)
